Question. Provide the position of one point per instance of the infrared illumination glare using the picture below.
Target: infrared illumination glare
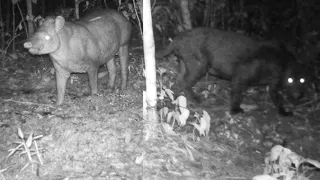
(47, 37)
(290, 80)
(302, 80)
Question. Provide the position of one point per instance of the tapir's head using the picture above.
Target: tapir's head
(294, 77)
(46, 39)
(296, 82)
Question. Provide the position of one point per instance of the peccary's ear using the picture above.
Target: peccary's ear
(59, 23)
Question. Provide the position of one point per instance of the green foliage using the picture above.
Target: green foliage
(91, 5)
(175, 111)
(128, 9)
(67, 13)
(262, 17)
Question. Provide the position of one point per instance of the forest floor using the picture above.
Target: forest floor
(101, 137)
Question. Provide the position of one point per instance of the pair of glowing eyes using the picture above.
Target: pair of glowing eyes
(290, 80)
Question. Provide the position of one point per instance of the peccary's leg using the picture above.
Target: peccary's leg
(112, 73)
(124, 56)
(61, 80)
(93, 79)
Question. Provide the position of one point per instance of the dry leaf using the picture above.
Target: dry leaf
(182, 103)
(275, 152)
(204, 126)
(139, 159)
(20, 133)
(170, 94)
(263, 177)
(167, 129)
(183, 116)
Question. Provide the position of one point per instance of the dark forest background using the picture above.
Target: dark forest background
(296, 22)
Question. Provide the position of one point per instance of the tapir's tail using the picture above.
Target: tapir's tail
(166, 51)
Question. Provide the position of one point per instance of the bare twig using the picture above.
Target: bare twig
(139, 21)
(235, 178)
(6, 49)
(23, 20)
(3, 170)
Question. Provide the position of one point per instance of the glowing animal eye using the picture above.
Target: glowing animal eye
(47, 37)
(290, 80)
(302, 80)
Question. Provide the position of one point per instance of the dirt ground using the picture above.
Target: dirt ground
(101, 137)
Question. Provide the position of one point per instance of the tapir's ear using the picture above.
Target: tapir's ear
(40, 21)
(59, 23)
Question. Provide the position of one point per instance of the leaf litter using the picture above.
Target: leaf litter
(100, 137)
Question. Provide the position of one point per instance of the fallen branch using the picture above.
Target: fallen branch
(27, 103)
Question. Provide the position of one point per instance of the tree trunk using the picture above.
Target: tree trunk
(76, 8)
(184, 5)
(8, 25)
(299, 29)
(104, 3)
(241, 16)
(209, 14)
(13, 28)
(43, 4)
(1, 30)
(150, 72)
(30, 23)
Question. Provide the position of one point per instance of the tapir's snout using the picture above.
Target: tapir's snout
(33, 49)
(27, 45)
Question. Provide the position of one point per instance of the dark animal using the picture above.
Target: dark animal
(238, 59)
(83, 46)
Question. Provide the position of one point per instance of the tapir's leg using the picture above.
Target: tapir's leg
(196, 68)
(243, 74)
(182, 73)
(179, 83)
(277, 99)
(111, 65)
(61, 80)
(124, 56)
(237, 88)
(93, 79)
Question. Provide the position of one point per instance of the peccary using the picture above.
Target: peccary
(83, 46)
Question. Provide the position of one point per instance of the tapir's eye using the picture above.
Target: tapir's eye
(290, 80)
(302, 80)
(47, 37)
